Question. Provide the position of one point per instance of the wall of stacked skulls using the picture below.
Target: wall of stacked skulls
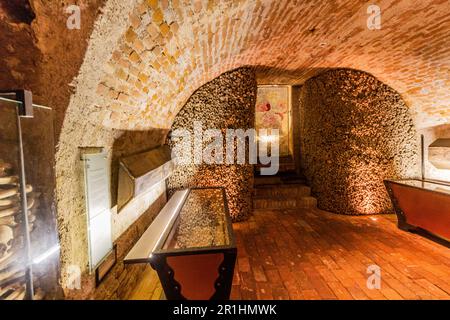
(227, 102)
(355, 132)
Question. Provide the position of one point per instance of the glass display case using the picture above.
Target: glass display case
(29, 247)
(191, 245)
(202, 222)
(422, 205)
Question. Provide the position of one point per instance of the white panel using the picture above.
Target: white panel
(100, 237)
(98, 206)
(98, 196)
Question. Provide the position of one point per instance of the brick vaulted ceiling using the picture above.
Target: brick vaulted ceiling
(145, 58)
(170, 48)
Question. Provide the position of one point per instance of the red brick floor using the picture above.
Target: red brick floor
(312, 254)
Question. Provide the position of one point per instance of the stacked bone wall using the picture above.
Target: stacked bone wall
(227, 102)
(355, 132)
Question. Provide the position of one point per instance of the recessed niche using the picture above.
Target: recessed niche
(439, 154)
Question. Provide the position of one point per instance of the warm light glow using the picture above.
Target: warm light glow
(374, 218)
(268, 138)
(46, 254)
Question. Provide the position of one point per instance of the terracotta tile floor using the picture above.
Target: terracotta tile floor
(312, 254)
(148, 288)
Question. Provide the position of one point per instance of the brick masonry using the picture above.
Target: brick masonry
(172, 47)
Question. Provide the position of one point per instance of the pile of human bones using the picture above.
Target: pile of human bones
(13, 262)
(202, 220)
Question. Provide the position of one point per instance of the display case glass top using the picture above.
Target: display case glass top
(202, 221)
(191, 245)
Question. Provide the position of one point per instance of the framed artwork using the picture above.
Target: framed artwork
(273, 112)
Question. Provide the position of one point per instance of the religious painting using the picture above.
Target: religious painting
(273, 112)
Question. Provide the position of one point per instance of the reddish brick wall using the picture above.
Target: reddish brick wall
(167, 49)
(43, 55)
(171, 48)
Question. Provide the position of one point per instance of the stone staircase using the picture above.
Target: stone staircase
(286, 164)
(287, 190)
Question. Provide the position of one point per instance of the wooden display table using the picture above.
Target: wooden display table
(422, 204)
(191, 245)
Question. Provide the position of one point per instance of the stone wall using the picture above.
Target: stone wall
(355, 132)
(40, 52)
(82, 128)
(127, 225)
(137, 215)
(296, 127)
(226, 102)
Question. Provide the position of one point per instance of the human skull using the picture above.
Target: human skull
(6, 239)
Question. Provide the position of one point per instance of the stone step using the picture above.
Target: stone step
(307, 202)
(285, 159)
(286, 164)
(278, 180)
(285, 191)
(282, 167)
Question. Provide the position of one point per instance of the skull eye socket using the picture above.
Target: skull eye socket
(19, 10)
(3, 249)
